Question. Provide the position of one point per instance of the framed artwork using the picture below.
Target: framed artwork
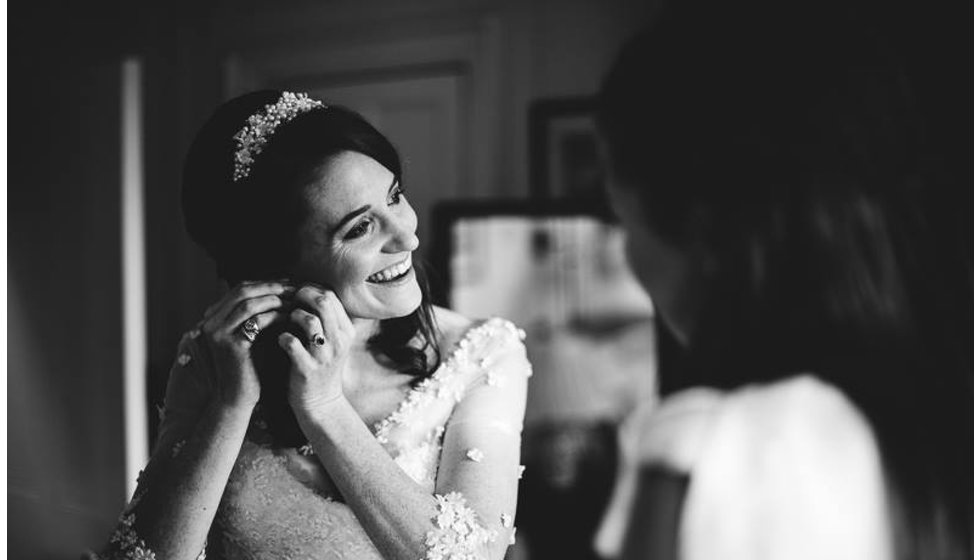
(564, 158)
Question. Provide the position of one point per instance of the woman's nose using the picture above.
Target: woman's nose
(408, 242)
(403, 236)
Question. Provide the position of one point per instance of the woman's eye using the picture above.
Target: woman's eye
(396, 196)
(358, 230)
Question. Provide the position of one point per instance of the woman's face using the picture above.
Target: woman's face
(665, 270)
(358, 238)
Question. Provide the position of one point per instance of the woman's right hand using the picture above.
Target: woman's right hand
(227, 343)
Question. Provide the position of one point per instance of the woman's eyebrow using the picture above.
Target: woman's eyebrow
(350, 216)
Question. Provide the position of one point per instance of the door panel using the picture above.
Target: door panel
(420, 116)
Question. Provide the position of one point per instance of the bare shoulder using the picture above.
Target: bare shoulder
(452, 326)
(485, 335)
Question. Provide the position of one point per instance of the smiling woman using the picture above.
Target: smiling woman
(311, 413)
(361, 232)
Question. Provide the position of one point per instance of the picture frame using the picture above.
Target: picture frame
(564, 151)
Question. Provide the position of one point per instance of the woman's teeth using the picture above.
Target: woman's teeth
(392, 272)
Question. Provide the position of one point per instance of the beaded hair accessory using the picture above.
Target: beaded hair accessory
(252, 138)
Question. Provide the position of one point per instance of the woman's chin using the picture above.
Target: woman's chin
(389, 303)
(405, 306)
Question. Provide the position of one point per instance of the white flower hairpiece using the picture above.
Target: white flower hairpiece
(252, 138)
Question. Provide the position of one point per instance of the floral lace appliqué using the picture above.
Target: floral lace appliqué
(445, 383)
(306, 450)
(458, 534)
(419, 462)
(178, 447)
(125, 544)
(493, 379)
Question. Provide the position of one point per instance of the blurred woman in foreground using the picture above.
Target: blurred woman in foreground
(785, 213)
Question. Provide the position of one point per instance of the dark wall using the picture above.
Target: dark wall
(65, 481)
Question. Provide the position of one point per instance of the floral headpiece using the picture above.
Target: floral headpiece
(252, 138)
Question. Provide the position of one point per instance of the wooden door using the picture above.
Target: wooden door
(420, 115)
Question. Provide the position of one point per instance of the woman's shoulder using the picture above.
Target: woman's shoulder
(804, 455)
(802, 405)
(473, 349)
(802, 409)
(450, 326)
(455, 329)
(671, 433)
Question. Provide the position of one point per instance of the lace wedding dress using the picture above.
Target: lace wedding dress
(280, 503)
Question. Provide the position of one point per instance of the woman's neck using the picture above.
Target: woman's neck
(364, 329)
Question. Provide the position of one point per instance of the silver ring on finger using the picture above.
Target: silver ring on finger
(250, 329)
(318, 340)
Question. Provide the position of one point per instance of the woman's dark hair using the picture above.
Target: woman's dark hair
(251, 228)
(782, 141)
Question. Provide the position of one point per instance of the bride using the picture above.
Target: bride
(323, 408)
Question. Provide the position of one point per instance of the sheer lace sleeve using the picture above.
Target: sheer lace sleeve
(476, 485)
(189, 387)
(788, 470)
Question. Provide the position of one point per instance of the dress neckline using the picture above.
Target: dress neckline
(413, 395)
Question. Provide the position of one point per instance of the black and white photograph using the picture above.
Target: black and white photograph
(490, 280)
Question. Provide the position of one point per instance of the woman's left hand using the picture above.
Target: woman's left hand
(318, 363)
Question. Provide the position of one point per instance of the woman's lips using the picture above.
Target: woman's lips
(392, 273)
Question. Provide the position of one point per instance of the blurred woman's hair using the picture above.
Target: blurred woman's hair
(251, 228)
(780, 143)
